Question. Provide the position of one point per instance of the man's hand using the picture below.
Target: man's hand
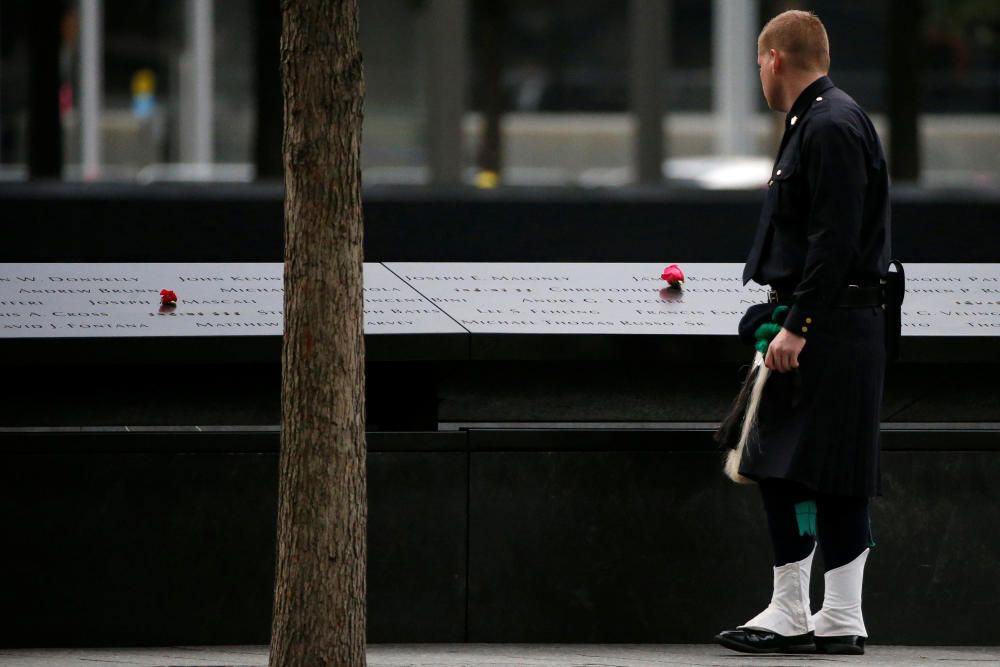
(783, 351)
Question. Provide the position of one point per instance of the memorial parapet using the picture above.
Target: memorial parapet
(459, 310)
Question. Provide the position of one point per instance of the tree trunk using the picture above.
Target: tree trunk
(319, 606)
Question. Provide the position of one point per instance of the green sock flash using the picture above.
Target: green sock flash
(805, 515)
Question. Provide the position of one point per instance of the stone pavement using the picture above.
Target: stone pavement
(501, 655)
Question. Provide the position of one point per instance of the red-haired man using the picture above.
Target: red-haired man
(822, 245)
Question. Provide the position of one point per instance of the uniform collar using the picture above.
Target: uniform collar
(806, 98)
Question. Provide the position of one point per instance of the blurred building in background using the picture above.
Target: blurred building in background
(497, 92)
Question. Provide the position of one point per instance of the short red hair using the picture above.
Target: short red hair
(800, 37)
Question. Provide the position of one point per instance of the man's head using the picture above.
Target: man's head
(792, 51)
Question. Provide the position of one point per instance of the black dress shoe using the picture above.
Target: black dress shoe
(844, 645)
(748, 640)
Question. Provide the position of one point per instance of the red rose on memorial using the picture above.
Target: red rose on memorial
(673, 275)
(168, 298)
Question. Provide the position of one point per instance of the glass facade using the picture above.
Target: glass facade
(13, 89)
(394, 49)
(546, 88)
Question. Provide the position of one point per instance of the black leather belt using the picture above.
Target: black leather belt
(850, 296)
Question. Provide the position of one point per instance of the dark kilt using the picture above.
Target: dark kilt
(819, 424)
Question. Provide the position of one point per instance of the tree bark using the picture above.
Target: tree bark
(320, 590)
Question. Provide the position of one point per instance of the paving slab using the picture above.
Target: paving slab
(502, 655)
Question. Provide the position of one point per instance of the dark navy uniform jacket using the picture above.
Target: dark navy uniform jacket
(825, 220)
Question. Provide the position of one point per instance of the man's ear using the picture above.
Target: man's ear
(776, 61)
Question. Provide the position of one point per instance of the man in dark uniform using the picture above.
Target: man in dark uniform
(822, 245)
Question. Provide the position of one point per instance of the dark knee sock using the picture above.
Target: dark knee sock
(843, 525)
(780, 499)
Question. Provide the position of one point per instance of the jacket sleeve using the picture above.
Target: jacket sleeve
(837, 177)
